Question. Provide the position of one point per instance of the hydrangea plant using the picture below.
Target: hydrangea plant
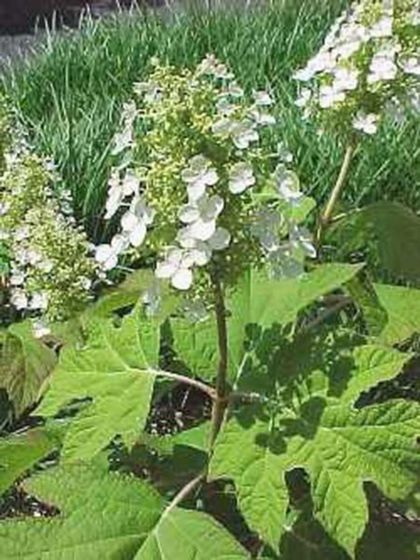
(300, 433)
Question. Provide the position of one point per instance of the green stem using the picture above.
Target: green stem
(221, 399)
(327, 214)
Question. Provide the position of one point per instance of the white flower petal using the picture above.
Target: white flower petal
(188, 213)
(220, 239)
(129, 221)
(165, 269)
(182, 279)
(202, 230)
(138, 234)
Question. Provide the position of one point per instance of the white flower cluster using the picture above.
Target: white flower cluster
(370, 57)
(284, 243)
(189, 200)
(50, 271)
(199, 235)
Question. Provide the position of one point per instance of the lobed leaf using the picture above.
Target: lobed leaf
(114, 372)
(310, 422)
(114, 517)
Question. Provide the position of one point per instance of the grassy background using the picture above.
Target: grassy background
(71, 93)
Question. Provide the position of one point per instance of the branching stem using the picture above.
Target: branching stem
(187, 381)
(184, 493)
(327, 214)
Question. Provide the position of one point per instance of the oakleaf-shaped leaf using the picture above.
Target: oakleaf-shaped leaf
(25, 364)
(20, 452)
(403, 308)
(113, 517)
(257, 300)
(114, 371)
(311, 423)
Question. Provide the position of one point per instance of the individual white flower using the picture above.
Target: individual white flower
(233, 90)
(382, 67)
(241, 177)
(124, 139)
(19, 299)
(382, 28)
(220, 239)
(223, 126)
(199, 175)
(262, 118)
(300, 238)
(411, 65)
(225, 107)
(210, 65)
(39, 300)
(40, 328)
(262, 98)
(120, 189)
(134, 222)
(329, 96)
(17, 278)
(287, 183)
(201, 216)
(345, 79)
(34, 257)
(150, 91)
(176, 267)
(244, 133)
(367, 123)
(107, 254)
(324, 60)
(46, 265)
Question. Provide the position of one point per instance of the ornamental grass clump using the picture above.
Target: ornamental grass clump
(46, 264)
(368, 66)
(198, 183)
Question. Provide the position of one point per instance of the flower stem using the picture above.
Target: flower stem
(327, 214)
(221, 401)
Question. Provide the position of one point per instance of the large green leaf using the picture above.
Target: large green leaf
(20, 452)
(258, 300)
(403, 308)
(310, 422)
(25, 364)
(113, 370)
(189, 535)
(113, 517)
(391, 229)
